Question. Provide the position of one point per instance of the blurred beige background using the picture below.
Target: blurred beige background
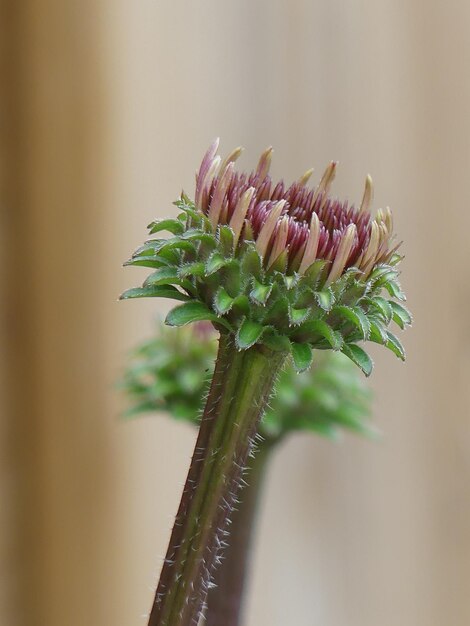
(106, 109)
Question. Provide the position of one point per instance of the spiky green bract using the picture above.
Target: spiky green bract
(171, 373)
(227, 284)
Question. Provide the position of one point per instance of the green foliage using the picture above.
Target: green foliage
(227, 285)
(190, 312)
(171, 373)
(302, 356)
(359, 357)
(157, 291)
(248, 334)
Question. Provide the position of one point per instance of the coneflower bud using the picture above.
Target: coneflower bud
(287, 266)
(222, 190)
(277, 270)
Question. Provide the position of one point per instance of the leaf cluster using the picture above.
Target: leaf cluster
(225, 282)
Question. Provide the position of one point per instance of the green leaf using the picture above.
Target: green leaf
(192, 269)
(155, 291)
(298, 316)
(146, 261)
(401, 315)
(302, 356)
(273, 340)
(195, 234)
(315, 330)
(189, 208)
(177, 243)
(163, 276)
(315, 273)
(395, 346)
(383, 273)
(222, 301)
(291, 281)
(172, 257)
(171, 225)
(383, 306)
(359, 357)
(321, 328)
(241, 305)
(149, 248)
(346, 282)
(196, 217)
(248, 334)
(190, 312)
(394, 289)
(251, 264)
(378, 332)
(225, 235)
(353, 292)
(356, 316)
(278, 311)
(260, 293)
(215, 262)
(280, 263)
(184, 202)
(325, 299)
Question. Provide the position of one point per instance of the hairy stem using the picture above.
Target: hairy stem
(225, 599)
(241, 386)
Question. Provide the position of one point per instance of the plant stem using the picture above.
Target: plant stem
(241, 386)
(225, 599)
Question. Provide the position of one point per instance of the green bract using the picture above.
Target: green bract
(228, 285)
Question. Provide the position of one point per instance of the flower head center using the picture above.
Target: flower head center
(293, 226)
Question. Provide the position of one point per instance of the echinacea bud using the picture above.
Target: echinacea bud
(289, 267)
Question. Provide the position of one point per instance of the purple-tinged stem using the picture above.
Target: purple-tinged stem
(241, 386)
(225, 601)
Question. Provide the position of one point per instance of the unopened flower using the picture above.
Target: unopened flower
(289, 267)
(293, 226)
(276, 270)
